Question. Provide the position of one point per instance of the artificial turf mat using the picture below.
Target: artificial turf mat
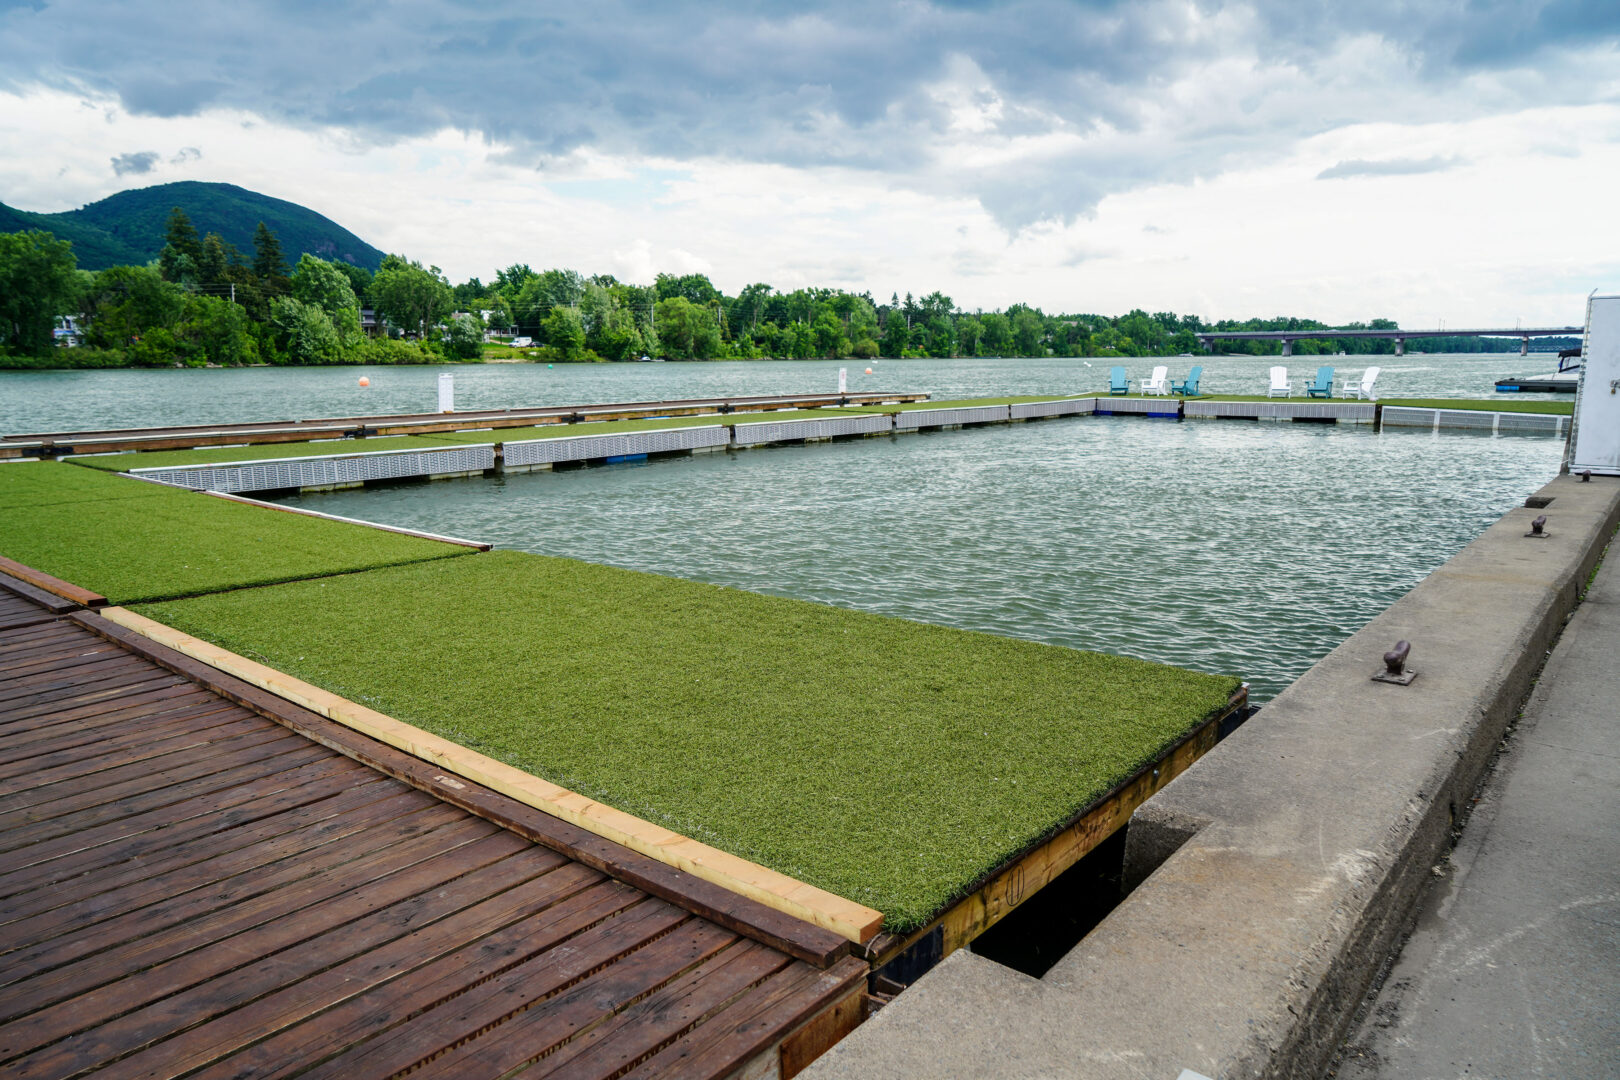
(889, 762)
(642, 423)
(180, 543)
(210, 455)
(967, 403)
(1508, 404)
(50, 483)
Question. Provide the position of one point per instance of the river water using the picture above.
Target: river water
(1232, 547)
(38, 401)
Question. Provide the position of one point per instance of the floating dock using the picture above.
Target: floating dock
(1477, 420)
(203, 876)
(57, 444)
(467, 444)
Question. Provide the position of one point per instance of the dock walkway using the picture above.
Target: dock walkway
(200, 879)
(1514, 967)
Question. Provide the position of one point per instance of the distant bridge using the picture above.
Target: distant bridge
(1288, 337)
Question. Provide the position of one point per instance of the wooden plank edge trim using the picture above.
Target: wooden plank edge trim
(56, 586)
(846, 918)
(477, 545)
(53, 604)
(796, 937)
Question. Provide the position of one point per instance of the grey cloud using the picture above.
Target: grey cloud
(829, 83)
(185, 154)
(1391, 167)
(156, 96)
(141, 162)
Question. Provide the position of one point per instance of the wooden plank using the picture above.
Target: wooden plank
(543, 1028)
(105, 724)
(114, 786)
(205, 898)
(26, 709)
(854, 921)
(252, 866)
(41, 598)
(178, 732)
(234, 1011)
(49, 641)
(390, 911)
(101, 992)
(822, 1034)
(49, 681)
(56, 586)
(1020, 878)
(75, 760)
(140, 880)
(47, 744)
(794, 936)
(98, 859)
(555, 976)
(212, 805)
(168, 797)
(179, 695)
(789, 1020)
(378, 1009)
(642, 1029)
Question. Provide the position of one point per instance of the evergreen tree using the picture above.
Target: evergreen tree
(212, 264)
(268, 264)
(182, 236)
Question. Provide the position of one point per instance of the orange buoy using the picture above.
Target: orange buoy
(364, 381)
(869, 371)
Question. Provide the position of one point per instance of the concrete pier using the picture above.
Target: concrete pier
(1514, 966)
(1272, 880)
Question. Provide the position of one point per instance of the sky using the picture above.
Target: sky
(1450, 162)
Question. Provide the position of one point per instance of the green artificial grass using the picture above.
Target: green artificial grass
(1508, 403)
(212, 455)
(890, 762)
(180, 543)
(50, 483)
(968, 402)
(619, 427)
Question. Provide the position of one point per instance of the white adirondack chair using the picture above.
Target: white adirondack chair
(1363, 387)
(1158, 382)
(1280, 386)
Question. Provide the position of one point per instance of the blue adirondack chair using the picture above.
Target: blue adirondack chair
(1189, 388)
(1323, 386)
(1117, 382)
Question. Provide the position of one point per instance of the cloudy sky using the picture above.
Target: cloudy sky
(1447, 161)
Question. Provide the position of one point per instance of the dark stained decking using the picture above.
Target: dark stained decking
(190, 888)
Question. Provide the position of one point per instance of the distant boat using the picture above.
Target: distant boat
(1563, 381)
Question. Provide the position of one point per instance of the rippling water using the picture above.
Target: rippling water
(1233, 547)
(35, 401)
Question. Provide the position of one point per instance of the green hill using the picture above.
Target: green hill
(128, 228)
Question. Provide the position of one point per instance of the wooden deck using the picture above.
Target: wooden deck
(199, 879)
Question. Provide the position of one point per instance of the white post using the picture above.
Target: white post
(843, 380)
(447, 392)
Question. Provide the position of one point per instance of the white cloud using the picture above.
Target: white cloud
(1518, 229)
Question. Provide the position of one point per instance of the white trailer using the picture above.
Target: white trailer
(1595, 441)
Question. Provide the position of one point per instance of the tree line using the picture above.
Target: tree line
(204, 302)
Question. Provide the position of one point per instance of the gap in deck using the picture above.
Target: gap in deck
(1041, 931)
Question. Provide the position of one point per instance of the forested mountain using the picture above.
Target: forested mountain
(129, 228)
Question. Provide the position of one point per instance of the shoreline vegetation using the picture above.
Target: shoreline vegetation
(204, 303)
